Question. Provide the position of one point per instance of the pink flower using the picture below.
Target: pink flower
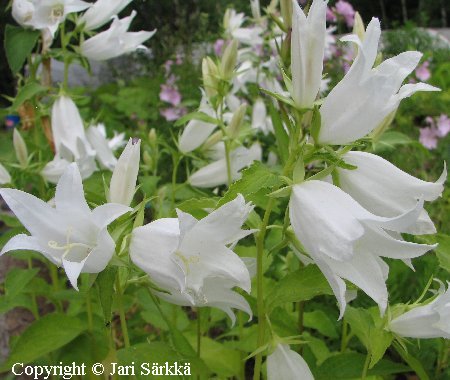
(422, 72)
(170, 94)
(429, 137)
(172, 113)
(346, 10)
(218, 47)
(443, 125)
(331, 17)
(167, 66)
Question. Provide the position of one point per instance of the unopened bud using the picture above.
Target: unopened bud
(226, 19)
(152, 137)
(148, 160)
(358, 27)
(236, 122)
(229, 59)
(20, 148)
(212, 140)
(256, 11)
(210, 73)
(286, 13)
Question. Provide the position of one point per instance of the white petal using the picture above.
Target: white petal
(4, 175)
(99, 257)
(106, 213)
(286, 364)
(101, 147)
(195, 134)
(73, 270)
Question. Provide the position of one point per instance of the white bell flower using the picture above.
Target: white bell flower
(427, 321)
(101, 146)
(307, 52)
(347, 242)
(101, 13)
(5, 177)
(70, 234)
(366, 95)
(45, 14)
(385, 190)
(115, 41)
(260, 120)
(124, 177)
(191, 259)
(283, 363)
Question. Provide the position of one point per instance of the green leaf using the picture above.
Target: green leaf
(17, 279)
(105, 285)
(27, 92)
(301, 285)
(279, 97)
(414, 363)
(19, 43)
(350, 366)
(47, 334)
(443, 251)
(10, 220)
(321, 322)
(280, 133)
(196, 116)
(390, 140)
(316, 123)
(196, 206)
(254, 178)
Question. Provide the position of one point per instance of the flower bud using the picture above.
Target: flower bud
(210, 74)
(152, 137)
(20, 148)
(4, 175)
(286, 13)
(229, 59)
(213, 140)
(236, 122)
(358, 27)
(148, 160)
(256, 11)
(124, 177)
(23, 11)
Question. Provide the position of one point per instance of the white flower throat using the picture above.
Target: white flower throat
(68, 247)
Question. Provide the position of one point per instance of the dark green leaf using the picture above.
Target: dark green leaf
(105, 286)
(280, 133)
(17, 279)
(27, 92)
(19, 43)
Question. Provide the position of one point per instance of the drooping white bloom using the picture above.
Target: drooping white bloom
(114, 143)
(260, 120)
(70, 141)
(124, 177)
(385, 190)
(70, 234)
(427, 321)
(5, 177)
(215, 174)
(347, 242)
(307, 52)
(100, 144)
(190, 257)
(197, 131)
(286, 364)
(115, 41)
(101, 13)
(366, 95)
(45, 14)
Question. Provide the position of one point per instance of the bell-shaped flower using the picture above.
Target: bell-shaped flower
(347, 242)
(124, 177)
(70, 234)
(100, 144)
(385, 190)
(115, 41)
(4, 175)
(283, 363)
(45, 14)
(307, 52)
(260, 120)
(431, 320)
(115, 142)
(366, 95)
(190, 258)
(197, 131)
(101, 13)
(215, 174)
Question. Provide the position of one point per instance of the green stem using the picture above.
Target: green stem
(366, 367)
(259, 286)
(241, 338)
(176, 162)
(344, 338)
(89, 311)
(199, 332)
(123, 320)
(34, 304)
(228, 160)
(55, 283)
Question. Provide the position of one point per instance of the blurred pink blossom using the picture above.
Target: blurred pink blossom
(443, 125)
(331, 17)
(345, 9)
(170, 94)
(218, 47)
(172, 113)
(423, 72)
(167, 66)
(428, 137)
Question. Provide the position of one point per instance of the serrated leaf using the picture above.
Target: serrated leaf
(196, 116)
(254, 178)
(19, 43)
(301, 285)
(390, 140)
(47, 334)
(196, 206)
